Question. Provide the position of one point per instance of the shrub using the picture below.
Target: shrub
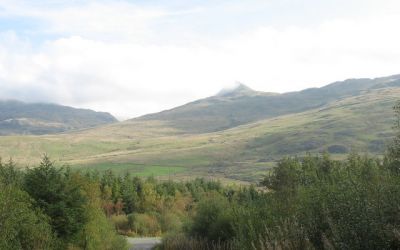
(144, 224)
(213, 219)
(121, 223)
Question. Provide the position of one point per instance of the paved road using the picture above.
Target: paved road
(143, 243)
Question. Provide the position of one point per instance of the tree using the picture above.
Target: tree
(213, 219)
(394, 148)
(98, 232)
(285, 177)
(22, 226)
(59, 198)
(9, 175)
(129, 194)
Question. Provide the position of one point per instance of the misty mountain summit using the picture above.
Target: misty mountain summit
(238, 89)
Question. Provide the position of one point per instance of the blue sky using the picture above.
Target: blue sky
(135, 57)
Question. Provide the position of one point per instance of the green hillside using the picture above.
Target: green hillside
(242, 105)
(361, 122)
(41, 118)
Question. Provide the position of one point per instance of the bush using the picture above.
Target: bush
(170, 222)
(144, 224)
(213, 219)
(121, 223)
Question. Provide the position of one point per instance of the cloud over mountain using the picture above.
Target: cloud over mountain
(131, 59)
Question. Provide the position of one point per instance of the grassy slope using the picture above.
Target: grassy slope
(243, 105)
(146, 147)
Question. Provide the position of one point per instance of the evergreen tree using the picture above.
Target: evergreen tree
(21, 225)
(394, 148)
(58, 197)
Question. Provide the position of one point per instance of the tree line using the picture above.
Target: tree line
(51, 207)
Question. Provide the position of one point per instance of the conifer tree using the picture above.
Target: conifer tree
(394, 148)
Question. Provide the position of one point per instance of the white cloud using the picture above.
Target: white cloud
(100, 20)
(129, 60)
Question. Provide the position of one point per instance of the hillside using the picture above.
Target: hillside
(40, 118)
(361, 122)
(242, 105)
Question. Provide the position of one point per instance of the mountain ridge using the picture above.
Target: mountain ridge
(17, 117)
(243, 105)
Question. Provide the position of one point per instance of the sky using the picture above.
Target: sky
(131, 58)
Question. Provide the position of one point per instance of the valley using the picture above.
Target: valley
(361, 121)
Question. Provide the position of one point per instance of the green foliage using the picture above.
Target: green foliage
(98, 232)
(9, 175)
(311, 203)
(213, 219)
(285, 176)
(22, 226)
(50, 208)
(394, 149)
(144, 224)
(171, 221)
(134, 169)
(58, 197)
(54, 208)
(343, 205)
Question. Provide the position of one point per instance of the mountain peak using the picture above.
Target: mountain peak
(237, 89)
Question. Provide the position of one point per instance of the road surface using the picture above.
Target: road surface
(143, 243)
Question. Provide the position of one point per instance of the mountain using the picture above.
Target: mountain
(40, 118)
(242, 105)
(350, 115)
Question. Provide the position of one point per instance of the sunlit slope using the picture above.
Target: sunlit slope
(242, 105)
(361, 123)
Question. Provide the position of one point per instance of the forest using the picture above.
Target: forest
(309, 202)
